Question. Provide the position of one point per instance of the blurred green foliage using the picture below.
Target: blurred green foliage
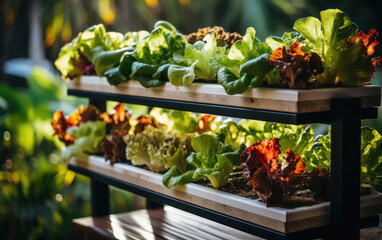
(38, 194)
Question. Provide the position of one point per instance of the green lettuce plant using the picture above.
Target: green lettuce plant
(212, 160)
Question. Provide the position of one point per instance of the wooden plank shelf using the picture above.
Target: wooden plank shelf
(253, 211)
(281, 100)
(167, 223)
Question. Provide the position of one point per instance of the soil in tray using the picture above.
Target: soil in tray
(238, 185)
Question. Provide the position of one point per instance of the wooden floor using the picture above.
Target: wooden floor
(167, 223)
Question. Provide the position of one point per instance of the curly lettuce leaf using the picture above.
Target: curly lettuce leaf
(88, 139)
(200, 54)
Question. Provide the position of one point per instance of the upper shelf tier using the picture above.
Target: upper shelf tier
(283, 105)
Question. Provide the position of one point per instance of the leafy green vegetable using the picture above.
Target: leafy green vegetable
(197, 61)
(231, 83)
(174, 177)
(258, 66)
(320, 153)
(158, 149)
(151, 59)
(343, 61)
(181, 75)
(201, 53)
(213, 159)
(114, 77)
(93, 51)
(371, 155)
(286, 40)
(248, 56)
(88, 139)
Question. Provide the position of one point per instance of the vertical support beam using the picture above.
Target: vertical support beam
(99, 198)
(100, 104)
(99, 191)
(345, 168)
(152, 204)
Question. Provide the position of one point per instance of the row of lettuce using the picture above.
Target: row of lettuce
(318, 54)
(187, 147)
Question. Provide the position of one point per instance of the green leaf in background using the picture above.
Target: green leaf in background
(183, 121)
(43, 85)
(26, 137)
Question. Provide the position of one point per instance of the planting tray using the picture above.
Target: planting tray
(253, 211)
(283, 100)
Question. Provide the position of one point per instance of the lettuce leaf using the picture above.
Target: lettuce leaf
(174, 177)
(213, 159)
(93, 51)
(371, 155)
(88, 139)
(286, 40)
(248, 56)
(151, 59)
(232, 84)
(157, 148)
(343, 61)
(182, 75)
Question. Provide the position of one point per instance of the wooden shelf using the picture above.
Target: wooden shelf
(167, 223)
(253, 211)
(282, 100)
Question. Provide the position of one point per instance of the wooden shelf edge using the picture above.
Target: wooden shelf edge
(283, 100)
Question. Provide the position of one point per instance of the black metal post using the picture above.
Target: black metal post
(100, 104)
(99, 198)
(345, 168)
(99, 190)
(150, 204)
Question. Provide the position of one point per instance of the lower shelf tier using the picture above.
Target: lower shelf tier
(253, 211)
(167, 223)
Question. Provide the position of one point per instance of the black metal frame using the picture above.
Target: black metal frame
(345, 117)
